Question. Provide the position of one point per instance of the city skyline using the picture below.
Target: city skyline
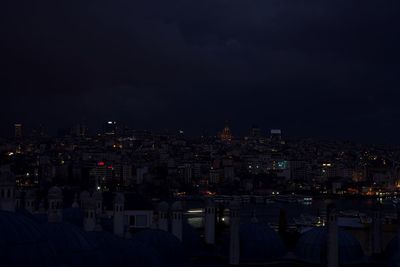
(327, 68)
(200, 133)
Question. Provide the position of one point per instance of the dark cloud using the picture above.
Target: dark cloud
(322, 67)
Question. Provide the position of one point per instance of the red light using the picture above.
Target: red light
(110, 167)
(101, 163)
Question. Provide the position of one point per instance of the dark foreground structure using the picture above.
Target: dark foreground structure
(122, 229)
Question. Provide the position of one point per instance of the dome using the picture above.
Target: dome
(74, 216)
(98, 195)
(234, 204)
(146, 256)
(259, 243)
(312, 247)
(54, 193)
(167, 246)
(119, 252)
(20, 234)
(109, 246)
(119, 198)
(30, 194)
(177, 206)
(209, 202)
(163, 206)
(192, 242)
(18, 194)
(71, 245)
(84, 195)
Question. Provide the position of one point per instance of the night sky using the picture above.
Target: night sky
(318, 68)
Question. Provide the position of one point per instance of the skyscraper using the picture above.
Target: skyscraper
(18, 130)
(111, 128)
(226, 134)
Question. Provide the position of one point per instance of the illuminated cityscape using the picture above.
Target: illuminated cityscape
(120, 182)
(200, 133)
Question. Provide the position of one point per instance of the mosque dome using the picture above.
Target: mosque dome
(177, 206)
(259, 243)
(119, 198)
(74, 216)
(54, 193)
(163, 206)
(98, 195)
(84, 195)
(166, 245)
(193, 244)
(71, 245)
(109, 247)
(31, 195)
(22, 243)
(312, 247)
(119, 252)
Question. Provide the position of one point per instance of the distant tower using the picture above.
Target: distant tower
(55, 198)
(209, 222)
(377, 232)
(7, 189)
(332, 240)
(18, 130)
(177, 220)
(30, 201)
(234, 245)
(119, 216)
(162, 210)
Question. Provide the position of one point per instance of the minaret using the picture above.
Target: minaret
(18, 199)
(89, 221)
(332, 239)
(234, 245)
(30, 201)
(177, 220)
(119, 217)
(84, 196)
(98, 201)
(7, 189)
(377, 232)
(55, 198)
(162, 210)
(209, 222)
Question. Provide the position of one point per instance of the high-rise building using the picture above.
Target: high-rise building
(111, 128)
(79, 130)
(18, 130)
(226, 134)
(276, 135)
